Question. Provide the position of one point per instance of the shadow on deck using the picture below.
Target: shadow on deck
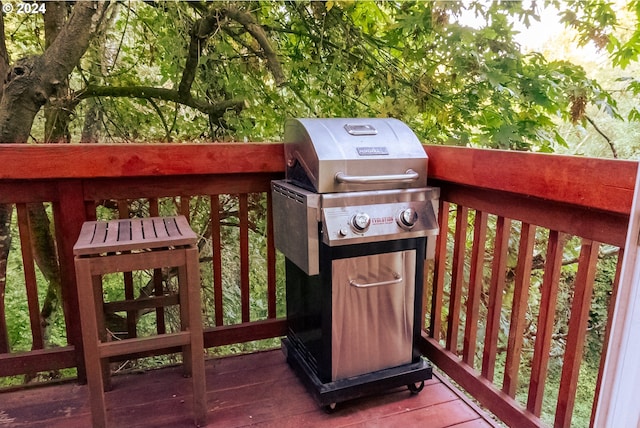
(256, 389)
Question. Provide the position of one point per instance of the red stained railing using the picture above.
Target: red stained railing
(525, 196)
(496, 201)
(76, 180)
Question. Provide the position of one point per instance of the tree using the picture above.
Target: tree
(29, 83)
(155, 70)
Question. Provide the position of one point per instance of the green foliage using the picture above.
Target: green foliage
(624, 52)
(417, 61)
(593, 20)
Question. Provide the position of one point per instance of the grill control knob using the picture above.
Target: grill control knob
(360, 222)
(408, 218)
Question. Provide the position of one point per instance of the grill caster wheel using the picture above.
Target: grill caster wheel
(330, 408)
(415, 388)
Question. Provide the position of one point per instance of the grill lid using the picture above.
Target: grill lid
(357, 154)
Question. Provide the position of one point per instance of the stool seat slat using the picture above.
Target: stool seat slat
(99, 232)
(159, 228)
(136, 232)
(172, 228)
(98, 237)
(112, 234)
(124, 230)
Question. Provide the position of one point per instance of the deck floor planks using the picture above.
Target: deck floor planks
(257, 390)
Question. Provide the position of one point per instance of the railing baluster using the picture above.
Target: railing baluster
(457, 277)
(216, 245)
(271, 262)
(546, 316)
(30, 276)
(154, 208)
(244, 255)
(475, 287)
(605, 346)
(184, 207)
(158, 290)
(496, 288)
(576, 332)
(90, 210)
(439, 268)
(519, 309)
(123, 208)
(132, 316)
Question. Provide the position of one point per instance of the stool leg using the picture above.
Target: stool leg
(98, 301)
(184, 287)
(90, 342)
(191, 315)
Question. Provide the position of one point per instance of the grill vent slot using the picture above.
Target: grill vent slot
(290, 194)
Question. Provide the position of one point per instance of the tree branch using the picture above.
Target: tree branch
(167, 131)
(257, 32)
(201, 30)
(539, 262)
(204, 28)
(149, 92)
(611, 146)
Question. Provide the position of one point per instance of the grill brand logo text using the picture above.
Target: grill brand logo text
(381, 220)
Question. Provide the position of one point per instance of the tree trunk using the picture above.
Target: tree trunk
(46, 257)
(92, 123)
(32, 81)
(57, 118)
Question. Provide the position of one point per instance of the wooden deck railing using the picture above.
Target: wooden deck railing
(517, 197)
(499, 200)
(75, 180)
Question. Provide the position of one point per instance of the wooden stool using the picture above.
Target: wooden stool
(125, 246)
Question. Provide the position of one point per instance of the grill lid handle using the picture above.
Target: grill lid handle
(409, 176)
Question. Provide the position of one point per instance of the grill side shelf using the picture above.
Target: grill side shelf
(295, 225)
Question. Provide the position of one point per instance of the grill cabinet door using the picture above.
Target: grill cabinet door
(372, 312)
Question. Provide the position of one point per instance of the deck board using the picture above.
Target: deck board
(258, 390)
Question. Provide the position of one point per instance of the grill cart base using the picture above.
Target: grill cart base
(329, 394)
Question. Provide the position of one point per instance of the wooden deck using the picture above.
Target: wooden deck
(251, 390)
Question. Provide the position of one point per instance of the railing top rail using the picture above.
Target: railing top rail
(55, 161)
(602, 184)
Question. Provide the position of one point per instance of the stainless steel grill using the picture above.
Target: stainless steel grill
(354, 218)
